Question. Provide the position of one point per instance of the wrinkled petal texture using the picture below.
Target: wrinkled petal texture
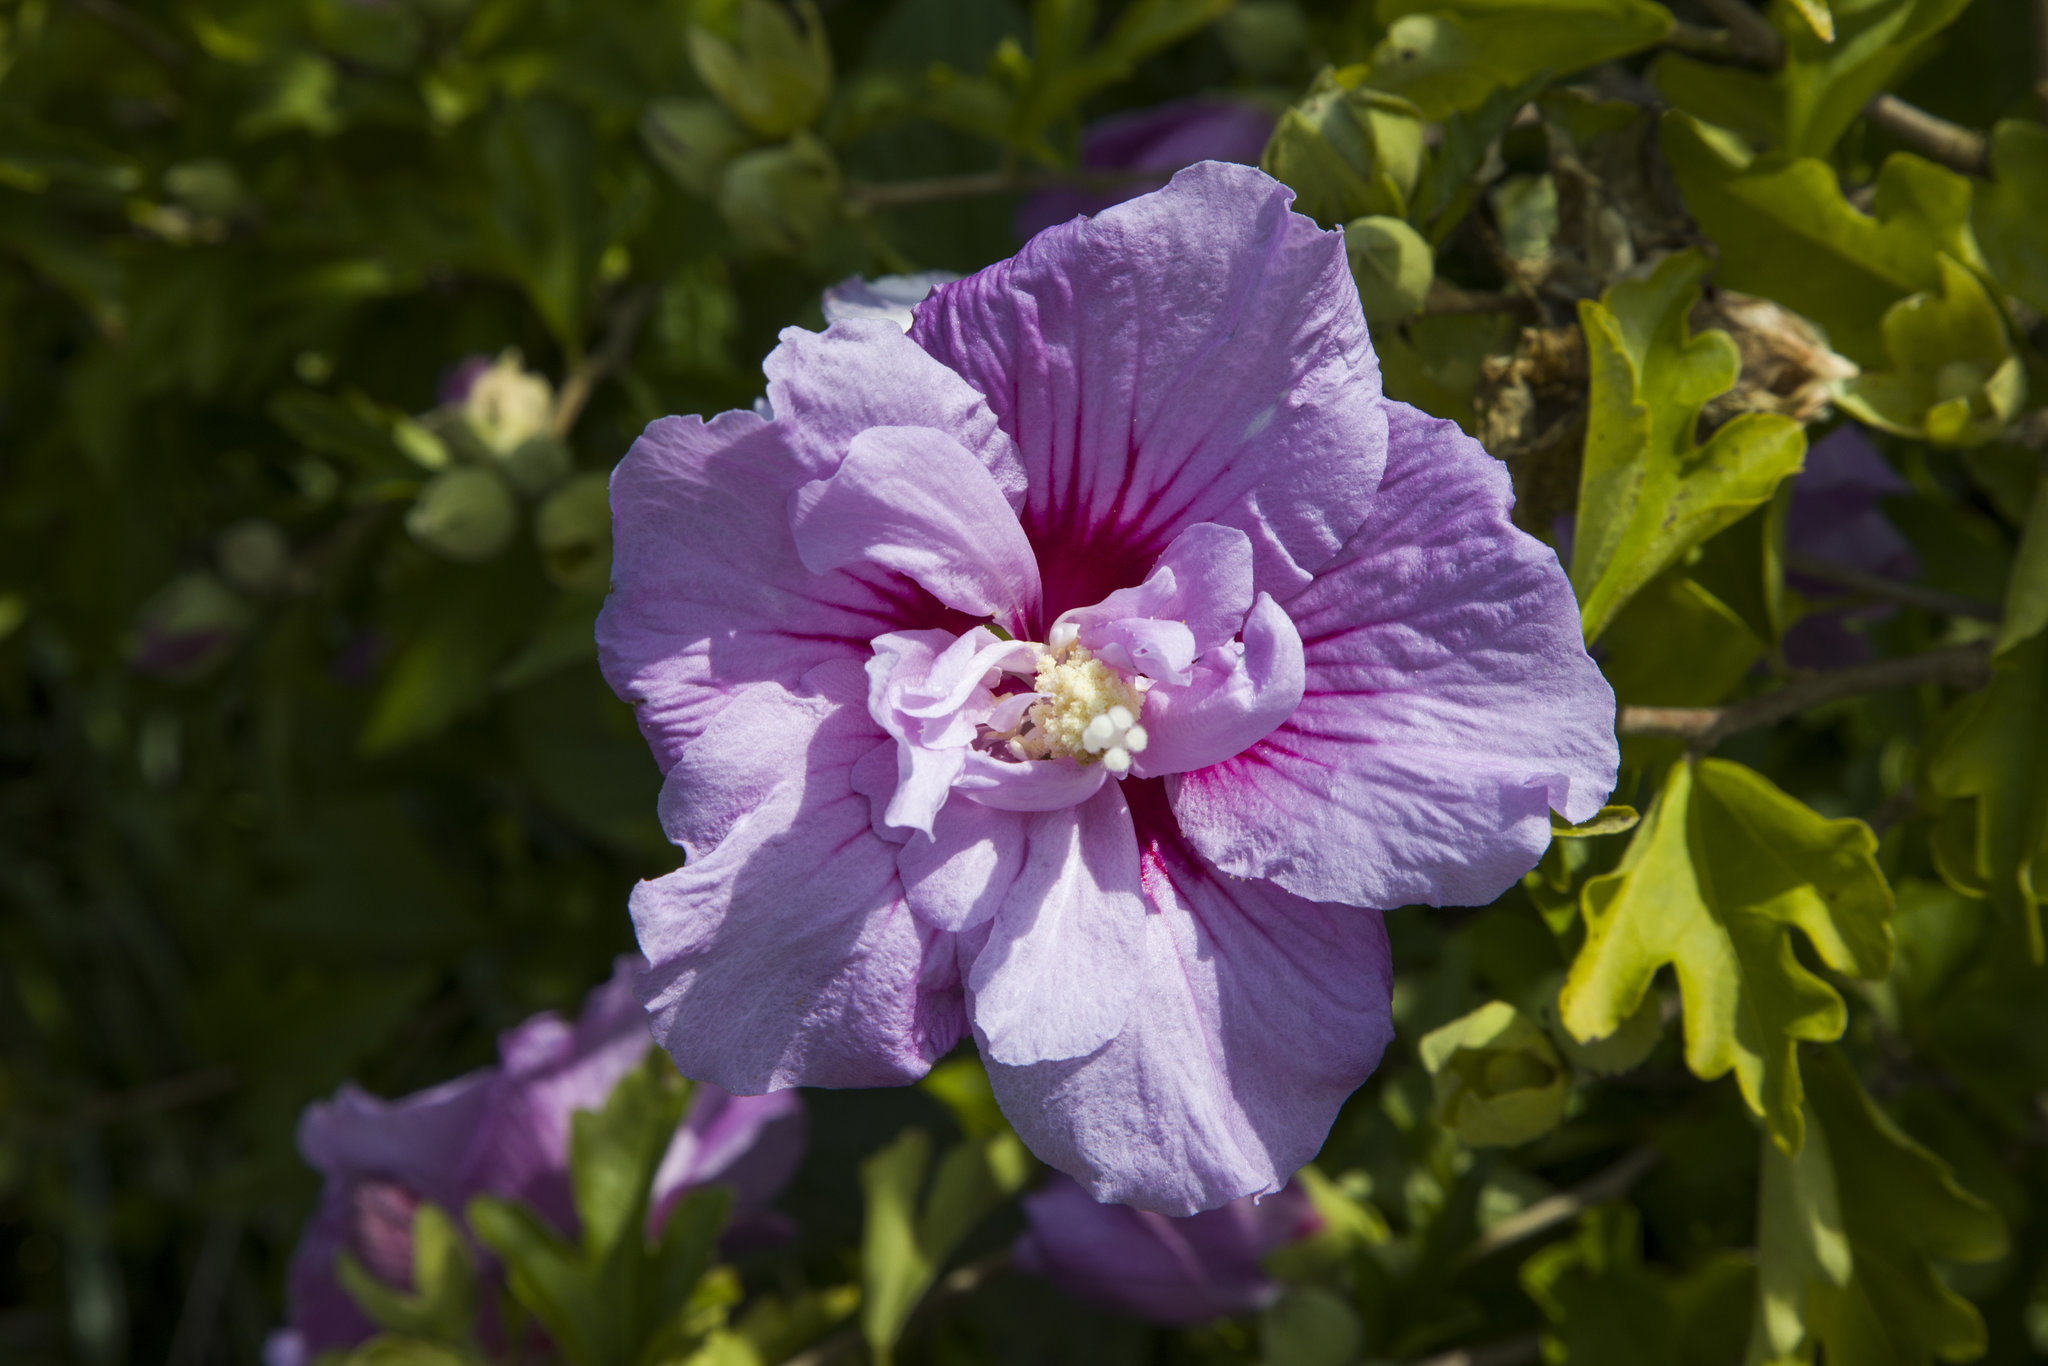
(1197, 355)
(1449, 704)
(709, 593)
(786, 954)
(1255, 1014)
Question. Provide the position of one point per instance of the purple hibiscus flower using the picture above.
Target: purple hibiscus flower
(1170, 1271)
(1836, 516)
(504, 1131)
(1078, 669)
(1164, 138)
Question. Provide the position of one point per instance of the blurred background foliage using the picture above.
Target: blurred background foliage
(324, 320)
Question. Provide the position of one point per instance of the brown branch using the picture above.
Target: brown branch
(901, 193)
(1445, 297)
(1891, 590)
(1958, 666)
(1507, 1352)
(1552, 1210)
(620, 329)
(1951, 144)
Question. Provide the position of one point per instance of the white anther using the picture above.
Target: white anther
(1135, 739)
(1062, 635)
(1120, 717)
(1117, 761)
(1099, 732)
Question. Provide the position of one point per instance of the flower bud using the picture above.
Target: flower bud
(505, 403)
(186, 628)
(1392, 264)
(466, 515)
(254, 556)
(751, 55)
(574, 531)
(536, 465)
(782, 198)
(692, 140)
(1498, 1079)
(1347, 151)
(377, 1228)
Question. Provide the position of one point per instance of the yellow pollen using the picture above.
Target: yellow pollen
(1086, 712)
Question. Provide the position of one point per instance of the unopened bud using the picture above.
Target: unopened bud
(782, 198)
(1347, 151)
(574, 531)
(1498, 1079)
(773, 76)
(536, 465)
(1393, 265)
(466, 515)
(504, 402)
(692, 140)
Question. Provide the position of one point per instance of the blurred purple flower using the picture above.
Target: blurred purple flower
(1837, 516)
(1170, 1271)
(1077, 669)
(1164, 138)
(504, 1131)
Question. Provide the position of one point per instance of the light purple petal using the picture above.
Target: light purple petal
(1203, 580)
(1169, 1271)
(1161, 650)
(1035, 785)
(750, 1143)
(1237, 697)
(957, 878)
(1256, 1014)
(915, 500)
(1197, 355)
(1056, 978)
(889, 298)
(1450, 704)
(785, 955)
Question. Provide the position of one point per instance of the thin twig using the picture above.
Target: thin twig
(1891, 590)
(1708, 44)
(1951, 144)
(975, 184)
(1958, 666)
(1507, 1352)
(620, 329)
(1445, 298)
(1751, 34)
(1553, 1210)
(203, 1294)
(169, 1094)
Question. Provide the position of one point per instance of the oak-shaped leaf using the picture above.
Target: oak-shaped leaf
(1722, 870)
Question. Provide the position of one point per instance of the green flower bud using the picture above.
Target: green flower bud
(1347, 151)
(1392, 264)
(782, 198)
(466, 515)
(692, 140)
(1498, 1079)
(536, 465)
(254, 556)
(574, 531)
(750, 54)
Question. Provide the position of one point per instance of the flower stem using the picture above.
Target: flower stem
(1566, 1205)
(1957, 666)
(1951, 144)
(1891, 590)
(621, 328)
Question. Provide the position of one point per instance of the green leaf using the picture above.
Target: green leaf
(1498, 1080)
(1723, 869)
(1848, 1234)
(1785, 231)
(1310, 1326)
(1992, 749)
(1828, 79)
(905, 1241)
(1447, 55)
(390, 1349)
(1610, 820)
(1955, 379)
(613, 1152)
(545, 1274)
(961, 1084)
(774, 77)
(2026, 590)
(1647, 493)
(1742, 101)
(2009, 210)
(1604, 1307)
(1674, 644)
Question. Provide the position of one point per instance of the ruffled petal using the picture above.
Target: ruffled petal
(1450, 704)
(784, 954)
(1055, 979)
(1203, 581)
(1034, 785)
(1236, 698)
(1255, 1015)
(915, 500)
(956, 879)
(1197, 355)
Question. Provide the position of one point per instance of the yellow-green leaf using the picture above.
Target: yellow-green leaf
(1954, 379)
(1451, 54)
(1723, 869)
